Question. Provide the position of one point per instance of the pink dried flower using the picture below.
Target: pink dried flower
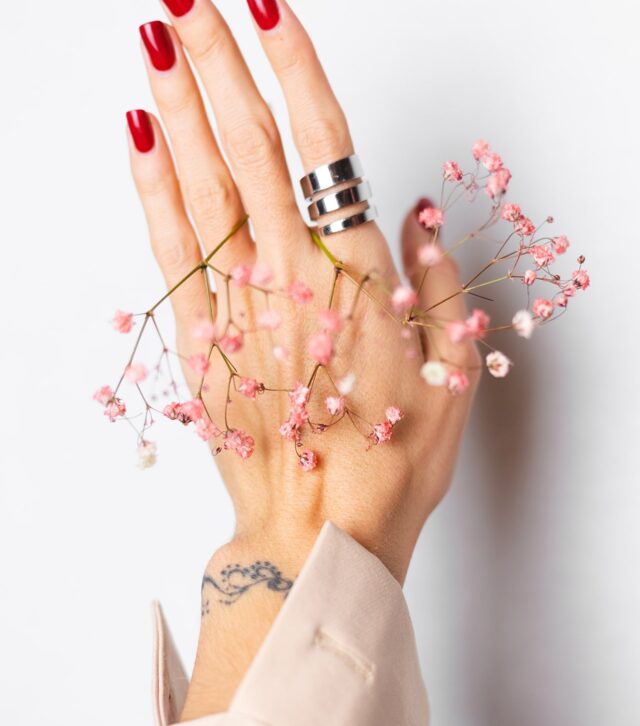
(560, 244)
(240, 442)
(299, 396)
(320, 347)
(346, 384)
(524, 227)
(299, 292)
(280, 353)
(393, 414)
(249, 387)
(404, 298)
(529, 278)
(261, 275)
(308, 460)
(458, 382)
(569, 290)
(498, 364)
(511, 212)
(190, 411)
(431, 217)
(498, 182)
(479, 149)
(204, 330)
(542, 308)
(241, 275)
(115, 408)
(457, 331)
(200, 364)
(329, 321)
(492, 161)
(122, 322)
(451, 171)
(206, 429)
(381, 433)
(477, 324)
(335, 405)
(523, 324)
(103, 395)
(269, 320)
(171, 411)
(542, 255)
(581, 279)
(561, 300)
(429, 254)
(136, 373)
(231, 342)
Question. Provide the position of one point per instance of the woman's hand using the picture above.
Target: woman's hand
(381, 496)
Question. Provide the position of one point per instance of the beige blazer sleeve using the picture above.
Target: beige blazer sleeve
(340, 652)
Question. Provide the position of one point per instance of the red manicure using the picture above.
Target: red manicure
(159, 45)
(179, 7)
(141, 130)
(265, 12)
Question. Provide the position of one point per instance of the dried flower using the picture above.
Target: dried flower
(429, 254)
(122, 322)
(434, 373)
(498, 364)
(249, 387)
(403, 298)
(523, 323)
(335, 405)
(542, 308)
(451, 171)
(200, 364)
(269, 320)
(240, 442)
(147, 454)
(308, 460)
(299, 292)
(135, 373)
(458, 382)
(431, 217)
(320, 347)
(206, 429)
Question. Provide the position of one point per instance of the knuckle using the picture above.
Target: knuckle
(253, 145)
(176, 104)
(172, 254)
(207, 48)
(154, 186)
(209, 199)
(323, 137)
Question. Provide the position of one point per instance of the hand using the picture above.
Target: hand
(382, 496)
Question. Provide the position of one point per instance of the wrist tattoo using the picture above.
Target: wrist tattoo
(235, 580)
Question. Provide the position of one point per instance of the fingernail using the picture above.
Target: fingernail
(423, 203)
(159, 45)
(141, 130)
(265, 12)
(179, 7)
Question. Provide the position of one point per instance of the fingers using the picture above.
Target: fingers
(435, 284)
(207, 185)
(247, 129)
(318, 124)
(173, 240)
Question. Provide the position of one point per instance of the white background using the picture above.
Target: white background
(525, 587)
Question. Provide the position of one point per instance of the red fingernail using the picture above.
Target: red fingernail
(141, 130)
(265, 12)
(159, 45)
(179, 7)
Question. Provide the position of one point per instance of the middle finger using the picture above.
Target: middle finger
(247, 129)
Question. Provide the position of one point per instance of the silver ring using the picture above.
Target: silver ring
(329, 175)
(338, 200)
(356, 220)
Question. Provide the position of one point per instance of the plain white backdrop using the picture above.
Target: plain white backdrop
(525, 587)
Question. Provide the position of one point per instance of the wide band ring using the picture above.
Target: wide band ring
(340, 225)
(336, 201)
(329, 175)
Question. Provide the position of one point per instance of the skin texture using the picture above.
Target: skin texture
(381, 497)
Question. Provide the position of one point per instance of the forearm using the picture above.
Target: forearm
(244, 586)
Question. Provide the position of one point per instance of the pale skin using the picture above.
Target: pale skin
(381, 497)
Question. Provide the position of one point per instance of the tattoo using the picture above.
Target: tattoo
(235, 580)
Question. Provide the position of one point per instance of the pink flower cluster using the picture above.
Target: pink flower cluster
(382, 432)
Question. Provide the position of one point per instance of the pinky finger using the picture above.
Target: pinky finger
(173, 240)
